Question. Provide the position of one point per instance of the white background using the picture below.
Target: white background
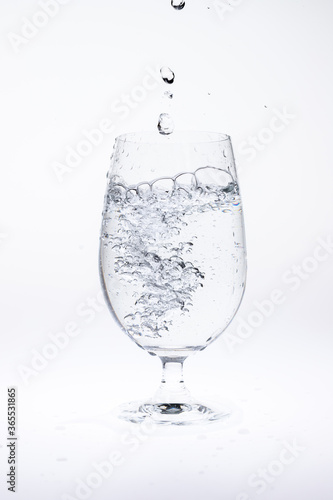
(256, 59)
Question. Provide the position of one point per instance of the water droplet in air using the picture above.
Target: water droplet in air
(168, 94)
(165, 124)
(178, 4)
(167, 74)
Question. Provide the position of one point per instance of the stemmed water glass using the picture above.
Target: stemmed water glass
(172, 256)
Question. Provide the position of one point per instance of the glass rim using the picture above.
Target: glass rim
(177, 137)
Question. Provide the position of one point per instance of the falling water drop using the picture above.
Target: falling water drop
(168, 94)
(167, 74)
(165, 124)
(178, 4)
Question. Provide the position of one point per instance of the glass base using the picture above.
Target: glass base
(171, 413)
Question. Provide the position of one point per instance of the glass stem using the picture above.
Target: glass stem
(172, 388)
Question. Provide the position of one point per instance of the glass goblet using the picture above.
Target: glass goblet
(172, 256)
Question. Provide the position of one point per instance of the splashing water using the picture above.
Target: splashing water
(165, 124)
(154, 254)
(167, 74)
(178, 4)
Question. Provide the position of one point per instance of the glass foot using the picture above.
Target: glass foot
(170, 413)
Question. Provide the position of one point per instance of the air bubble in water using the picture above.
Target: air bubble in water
(167, 74)
(186, 181)
(178, 4)
(213, 176)
(165, 124)
(163, 187)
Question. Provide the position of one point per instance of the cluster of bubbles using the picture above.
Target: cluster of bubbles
(149, 252)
